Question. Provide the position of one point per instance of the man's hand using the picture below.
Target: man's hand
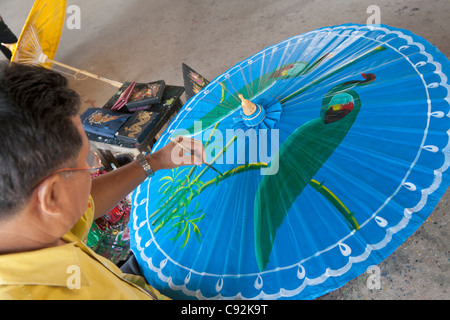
(181, 151)
(108, 189)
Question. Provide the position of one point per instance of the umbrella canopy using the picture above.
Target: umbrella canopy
(41, 32)
(332, 147)
(40, 36)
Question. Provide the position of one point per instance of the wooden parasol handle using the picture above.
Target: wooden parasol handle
(88, 74)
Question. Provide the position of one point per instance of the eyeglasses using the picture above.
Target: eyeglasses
(93, 161)
(94, 165)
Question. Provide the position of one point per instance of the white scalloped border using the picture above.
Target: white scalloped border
(408, 212)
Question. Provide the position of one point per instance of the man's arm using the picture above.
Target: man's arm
(109, 189)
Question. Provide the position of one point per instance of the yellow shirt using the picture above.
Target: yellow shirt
(71, 271)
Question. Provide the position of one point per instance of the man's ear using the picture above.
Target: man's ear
(48, 196)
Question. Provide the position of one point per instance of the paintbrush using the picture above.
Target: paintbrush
(190, 153)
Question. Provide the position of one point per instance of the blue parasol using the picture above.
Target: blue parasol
(333, 148)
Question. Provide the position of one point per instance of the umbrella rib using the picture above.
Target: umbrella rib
(35, 40)
(35, 45)
(261, 75)
(235, 91)
(281, 62)
(227, 106)
(224, 103)
(246, 83)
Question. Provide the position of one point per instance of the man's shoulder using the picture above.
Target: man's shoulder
(82, 227)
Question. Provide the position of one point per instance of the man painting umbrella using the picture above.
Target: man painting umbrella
(48, 200)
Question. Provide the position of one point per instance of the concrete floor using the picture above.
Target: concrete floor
(147, 40)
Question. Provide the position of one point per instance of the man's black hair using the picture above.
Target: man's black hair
(37, 133)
